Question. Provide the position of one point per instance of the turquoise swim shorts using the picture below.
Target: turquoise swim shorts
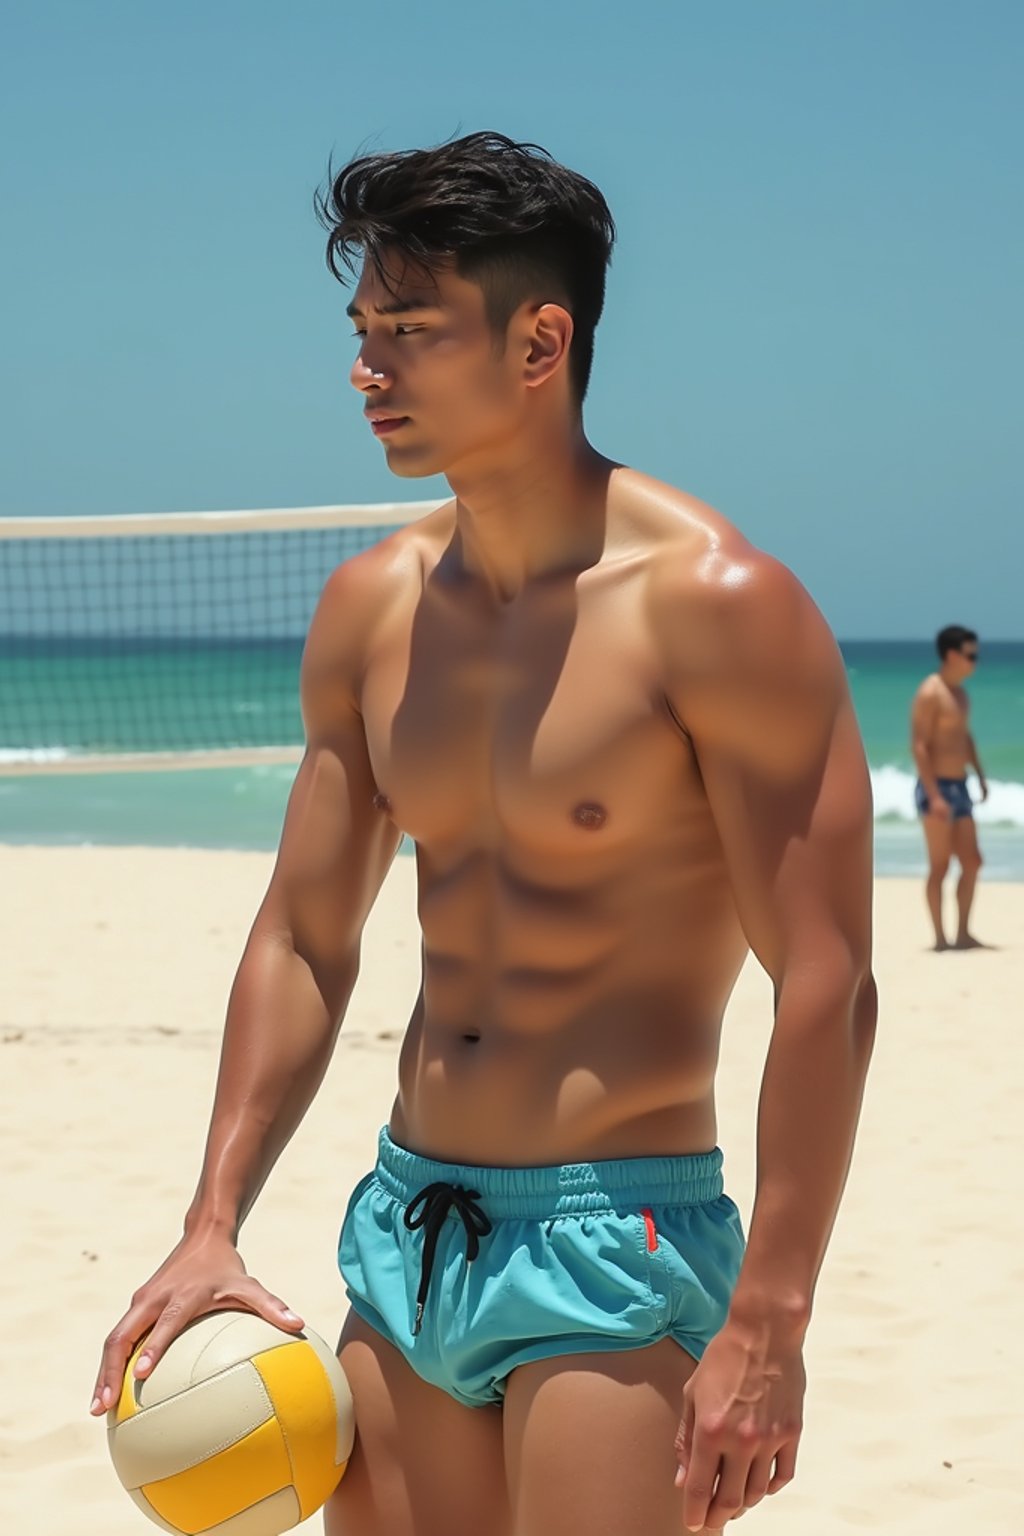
(470, 1271)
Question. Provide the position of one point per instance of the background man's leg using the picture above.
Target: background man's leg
(938, 833)
(965, 848)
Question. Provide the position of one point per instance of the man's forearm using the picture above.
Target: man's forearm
(810, 1102)
(925, 771)
(282, 1023)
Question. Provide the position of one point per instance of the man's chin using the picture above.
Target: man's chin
(411, 466)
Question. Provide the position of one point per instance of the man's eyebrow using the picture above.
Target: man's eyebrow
(396, 307)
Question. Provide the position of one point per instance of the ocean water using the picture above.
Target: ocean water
(152, 701)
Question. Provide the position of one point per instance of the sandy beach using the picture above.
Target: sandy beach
(117, 964)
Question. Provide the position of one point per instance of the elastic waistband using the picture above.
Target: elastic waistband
(534, 1194)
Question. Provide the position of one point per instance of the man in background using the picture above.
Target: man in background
(943, 750)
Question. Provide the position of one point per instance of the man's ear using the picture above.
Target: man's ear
(547, 338)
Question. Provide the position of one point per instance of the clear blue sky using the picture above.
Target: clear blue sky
(814, 317)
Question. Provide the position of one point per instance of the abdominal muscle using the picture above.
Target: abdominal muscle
(566, 1025)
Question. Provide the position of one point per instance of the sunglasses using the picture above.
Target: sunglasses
(970, 655)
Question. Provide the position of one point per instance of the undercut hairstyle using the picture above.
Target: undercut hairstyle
(517, 223)
(952, 638)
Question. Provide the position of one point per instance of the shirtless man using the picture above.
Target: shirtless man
(943, 748)
(621, 739)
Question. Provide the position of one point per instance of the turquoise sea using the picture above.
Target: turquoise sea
(243, 807)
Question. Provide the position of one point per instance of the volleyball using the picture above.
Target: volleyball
(240, 1427)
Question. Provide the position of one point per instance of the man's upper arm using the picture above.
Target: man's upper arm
(922, 717)
(336, 846)
(758, 682)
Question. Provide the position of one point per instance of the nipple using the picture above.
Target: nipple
(590, 815)
(381, 802)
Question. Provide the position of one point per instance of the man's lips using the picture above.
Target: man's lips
(381, 424)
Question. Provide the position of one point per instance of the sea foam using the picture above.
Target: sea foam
(34, 754)
(894, 798)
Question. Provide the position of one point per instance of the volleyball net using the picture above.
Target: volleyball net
(165, 641)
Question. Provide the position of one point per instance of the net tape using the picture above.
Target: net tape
(165, 641)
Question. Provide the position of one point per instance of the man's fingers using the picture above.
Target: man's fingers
(701, 1475)
(785, 1467)
(742, 1484)
(250, 1296)
(758, 1478)
(728, 1498)
(247, 1296)
(278, 1312)
(161, 1321)
(720, 1486)
(684, 1440)
(116, 1350)
(175, 1316)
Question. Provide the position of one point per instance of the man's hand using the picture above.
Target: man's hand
(742, 1418)
(983, 785)
(201, 1275)
(939, 807)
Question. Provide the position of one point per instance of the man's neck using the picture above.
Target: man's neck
(538, 509)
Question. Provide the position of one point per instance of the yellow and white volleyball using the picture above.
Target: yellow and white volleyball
(240, 1429)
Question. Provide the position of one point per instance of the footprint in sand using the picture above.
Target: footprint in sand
(853, 1514)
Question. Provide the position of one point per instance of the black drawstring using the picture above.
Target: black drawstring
(436, 1201)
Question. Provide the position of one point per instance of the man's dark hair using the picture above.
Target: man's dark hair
(517, 223)
(952, 638)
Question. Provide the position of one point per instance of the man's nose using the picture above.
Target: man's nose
(369, 373)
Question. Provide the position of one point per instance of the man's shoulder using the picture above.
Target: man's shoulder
(930, 687)
(362, 595)
(735, 631)
(706, 576)
(366, 583)
(677, 527)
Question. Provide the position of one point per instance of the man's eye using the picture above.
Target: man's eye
(400, 330)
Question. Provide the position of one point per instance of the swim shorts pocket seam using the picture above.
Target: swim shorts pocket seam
(659, 1303)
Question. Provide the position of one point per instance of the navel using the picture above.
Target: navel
(590, 815)
(381, 802)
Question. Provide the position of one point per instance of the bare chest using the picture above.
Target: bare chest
(542, 728)
(951, 716)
